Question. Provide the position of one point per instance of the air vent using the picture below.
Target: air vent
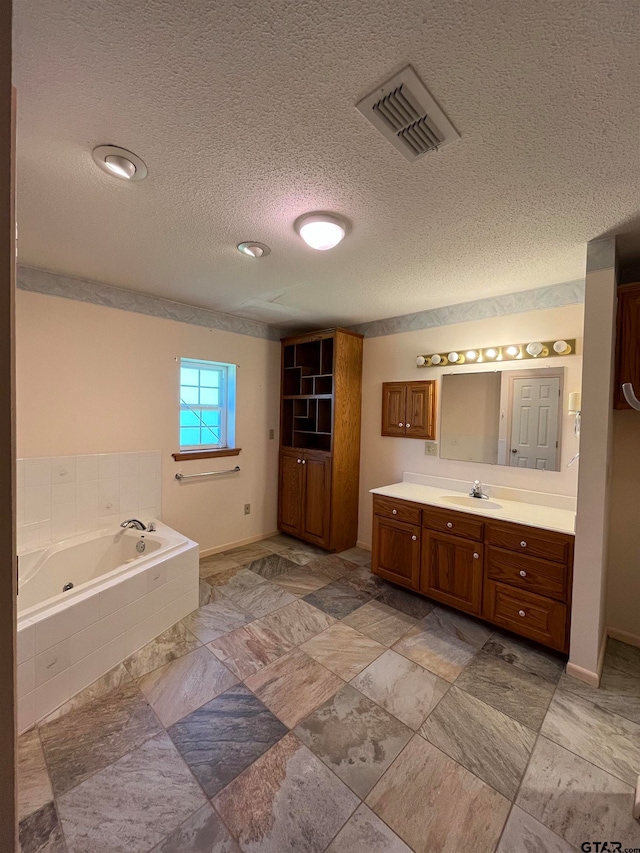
(404, 111)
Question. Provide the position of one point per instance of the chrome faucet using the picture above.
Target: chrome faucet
(476, 491)
(133, 522)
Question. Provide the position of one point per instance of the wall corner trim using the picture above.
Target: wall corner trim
(601, 254)
(582, 674)
(99, 293)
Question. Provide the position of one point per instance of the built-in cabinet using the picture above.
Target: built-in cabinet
(512, 575)
(409, 409)
(320, 438)
(627, 342)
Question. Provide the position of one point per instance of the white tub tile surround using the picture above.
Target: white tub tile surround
(58, 496)
(76, 643)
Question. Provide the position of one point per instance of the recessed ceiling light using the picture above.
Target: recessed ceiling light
(119, 162)
(253, 250)
(321, 231)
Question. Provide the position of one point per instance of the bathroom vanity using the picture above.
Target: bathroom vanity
(507, 561)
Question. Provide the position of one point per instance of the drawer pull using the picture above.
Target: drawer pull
(400, 424)
(414, 538)
(394, 511)
(523, 574)
(523, 544)
(521, 613)
(304, 461)
(299, 461)
(408, 425)
(449, 524)
(476, 556)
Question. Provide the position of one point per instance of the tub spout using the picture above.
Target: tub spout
(133, 522)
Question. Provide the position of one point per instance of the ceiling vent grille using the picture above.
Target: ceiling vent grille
(404, 111)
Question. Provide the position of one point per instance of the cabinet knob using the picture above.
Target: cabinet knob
(449, 524)
(476, 556)
(523, 574)
(407, 425)
(521, 613)
(523, 544)
(400, 424)
(304, 461)
(414, 538)
(299, 461)
(394, 511)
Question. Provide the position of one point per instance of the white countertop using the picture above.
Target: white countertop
(533, 514)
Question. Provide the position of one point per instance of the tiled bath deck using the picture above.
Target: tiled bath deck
(308, 706)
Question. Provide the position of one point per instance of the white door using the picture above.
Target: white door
(534, 423)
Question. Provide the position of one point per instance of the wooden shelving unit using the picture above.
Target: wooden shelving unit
(320, 437)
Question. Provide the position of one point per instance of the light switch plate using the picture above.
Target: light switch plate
(431, 448)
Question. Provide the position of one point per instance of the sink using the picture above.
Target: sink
(468, 501)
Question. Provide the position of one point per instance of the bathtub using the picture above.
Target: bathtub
(85, 604)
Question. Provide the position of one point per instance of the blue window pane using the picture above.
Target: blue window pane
(209, 436)
(209, 396)
(189, 435)
(188, 376)
(210, 378)
(189, 395)
(211, 417)
(189, 418)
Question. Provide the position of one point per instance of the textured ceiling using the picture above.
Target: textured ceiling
(244, 113)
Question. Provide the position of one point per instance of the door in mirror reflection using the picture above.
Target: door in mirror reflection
(534, 422)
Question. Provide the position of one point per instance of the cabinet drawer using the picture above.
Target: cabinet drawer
(529, 573)
(456, 523)
(527, 614)
(393, 508)
(530, 540)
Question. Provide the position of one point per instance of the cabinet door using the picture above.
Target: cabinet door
(396, 551)
(452, 571)
(394, 404)
(421, 410)
(290, 503)
(627, 343)
(317, 498)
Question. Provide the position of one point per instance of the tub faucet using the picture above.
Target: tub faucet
(476, 491)
(133, 522)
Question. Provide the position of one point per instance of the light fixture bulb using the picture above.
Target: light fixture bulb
(472, 355)
(420, 360)
(490, 353)
(253, 250)
(321, 231)
(561, 348)
(513, 351)
(534, 348)
(436, 358)
(453, 357)
(120, 166)
(119, 163)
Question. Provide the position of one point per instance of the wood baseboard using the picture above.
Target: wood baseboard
(624, 637)
(250, 540)
(366, 546)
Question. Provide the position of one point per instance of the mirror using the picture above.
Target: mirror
(505, 417)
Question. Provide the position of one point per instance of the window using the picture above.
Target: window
(207, 404)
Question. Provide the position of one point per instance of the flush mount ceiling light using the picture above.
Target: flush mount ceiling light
(321, 231)
(119, 162)
(511, 352)
(254, 250)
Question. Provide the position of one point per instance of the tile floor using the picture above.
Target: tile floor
(309, 706)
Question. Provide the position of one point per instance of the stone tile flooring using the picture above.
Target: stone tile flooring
(308, 706)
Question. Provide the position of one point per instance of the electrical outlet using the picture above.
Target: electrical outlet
(272, 434)
(431, 448)
(247, 509)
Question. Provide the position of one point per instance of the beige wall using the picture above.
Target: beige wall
(92, 379)
(623, 584)
(393, 358)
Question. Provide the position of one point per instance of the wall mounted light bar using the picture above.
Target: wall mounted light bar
(507, 352)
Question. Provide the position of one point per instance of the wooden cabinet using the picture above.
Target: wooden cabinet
(512, 575)
(627, 342)
(396, 551)
(452, 571)
(320, 438)
(409, 409)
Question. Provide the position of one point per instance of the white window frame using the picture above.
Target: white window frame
(226, 407)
